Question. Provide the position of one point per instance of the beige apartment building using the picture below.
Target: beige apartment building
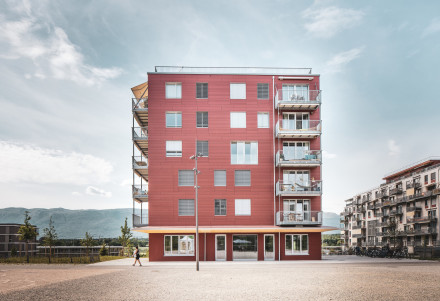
(400, 212)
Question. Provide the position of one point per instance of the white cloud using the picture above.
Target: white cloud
(126, 182)
(76, 193)
(326, 22)
(393, 148)
(433, 28)
(98, 192)
(328, 155)
(337, 62)
(33, 164)
(50, 50)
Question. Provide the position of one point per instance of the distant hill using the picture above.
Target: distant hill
(74, 223)
(99, 223)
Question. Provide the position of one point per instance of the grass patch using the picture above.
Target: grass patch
(59, 260)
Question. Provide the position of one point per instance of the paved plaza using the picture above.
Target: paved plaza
(333, 278)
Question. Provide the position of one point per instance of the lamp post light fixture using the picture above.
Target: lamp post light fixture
(196, 187)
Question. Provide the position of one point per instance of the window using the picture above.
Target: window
(263, 120)
(202, 90)
(297, 151)
(203, 148)
(242, 178)
(242, 207)
(173, 90)
(433, 177)
(263, 91)
(297, 244)
(238, 91)
(426, 179)
(295, 93)
(244, 152)
(175, 245)
(202, 119)
(186, 207)
(186, 178)
(173, 119)
(296, 121)
(238, 120)
(219, 177)
(174, 148)
(220, 207)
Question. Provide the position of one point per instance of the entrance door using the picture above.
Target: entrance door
(220, 247)
(269, 251)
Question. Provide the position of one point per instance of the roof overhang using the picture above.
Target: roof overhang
(244, 229)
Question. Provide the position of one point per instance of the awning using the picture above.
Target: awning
(235, 229)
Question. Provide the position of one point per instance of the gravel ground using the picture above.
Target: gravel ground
(336, 278)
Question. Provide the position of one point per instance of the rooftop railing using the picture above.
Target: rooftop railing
(299, 218)
(312, 187)
(304, 158)
(233, 70)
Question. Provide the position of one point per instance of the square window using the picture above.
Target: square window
(186, 207)
(220, 207)
(263, 120)
(203, 148)
(263, 91)
(242, 178)
(244, 152)
(173, 119)
(186, 178)
(202, 119)
(238, 91)
(173, 90)
(202, 90)
(238, 120)
(174, 148)
(243, 207)
(219, 177)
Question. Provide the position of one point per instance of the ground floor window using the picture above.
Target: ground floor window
(175, 245)
(297, 244)
(245, 247)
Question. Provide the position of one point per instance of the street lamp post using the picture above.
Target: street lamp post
(196, 187)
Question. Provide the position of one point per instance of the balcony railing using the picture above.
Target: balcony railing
(306, 158)
(139, 162)
(285, 218)
(395, 191)
(140, 104)
(308, 99)
(309, 188)
(140, 193)
(140, 220)
(298, 129)
(420, 219)
(358, 235)
(140, 133)
(382, 194)
(413, 208)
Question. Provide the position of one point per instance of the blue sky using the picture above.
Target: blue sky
(67, 68)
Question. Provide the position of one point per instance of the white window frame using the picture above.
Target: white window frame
(176, 125)
(268, 91)
(225, 207)
(174, 152)
(240, 155)
(243, 207)
(189, 251)
(237, 90)
(180, 175)
(262, 123)
(238, 120)
(292, 252)
(236, 172)
(178, 207)
(203, 120)
(177, 92)
(202, 90)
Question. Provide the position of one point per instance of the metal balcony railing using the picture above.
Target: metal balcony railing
(312, 187)
(140, 104)
(140, 192)
(420, 219)
(304, 158)
(413, 208)
(140, 220)
(285, 218)
(140, 133)
(299, 99)
(139, 162)
(300, 128)
(395, 191)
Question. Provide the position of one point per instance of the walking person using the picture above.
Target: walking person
(136, 255)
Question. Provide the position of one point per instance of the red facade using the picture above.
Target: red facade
(164, 192)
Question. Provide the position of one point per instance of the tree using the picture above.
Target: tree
(50, 237)
(27, 232)
(125, 237)
(87, 242)
(103, 251)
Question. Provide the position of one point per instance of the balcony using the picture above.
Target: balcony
(425, 231)
(140, 139)
(140, 193)
(140, 110)
(420, 219)
(311, 188)
(292, 218)
(298, 129)
(436, 191)
(139, 104)
(358, 235)
(310, 158)
(140, 220)
(396, 191)
(413, 208)
(298, 100)
(386, 203)
(382, 194)
(140, 166)
(370, 207)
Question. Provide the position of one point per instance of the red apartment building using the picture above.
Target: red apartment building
(258, 134)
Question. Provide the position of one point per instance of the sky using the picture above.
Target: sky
(66, 69)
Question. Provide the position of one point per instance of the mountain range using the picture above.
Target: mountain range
(105, 223)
